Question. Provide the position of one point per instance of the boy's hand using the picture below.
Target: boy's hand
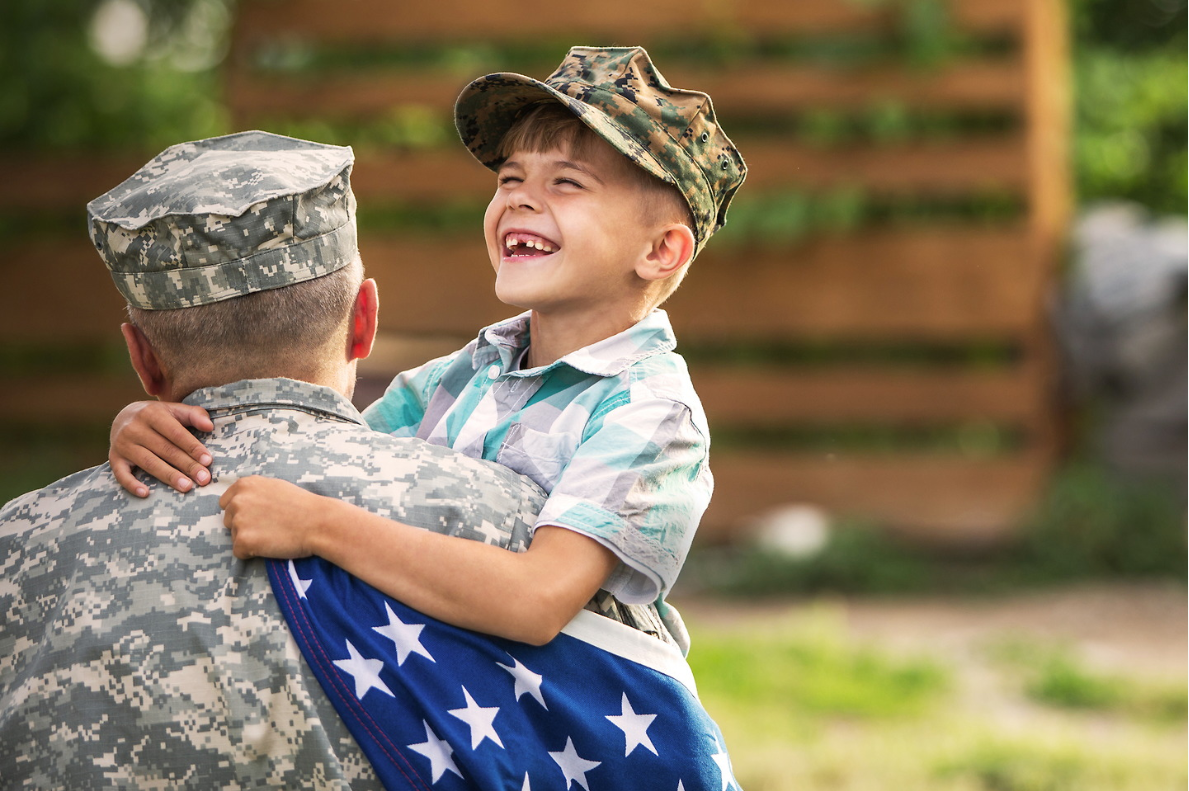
(269, 518)
(152, 435)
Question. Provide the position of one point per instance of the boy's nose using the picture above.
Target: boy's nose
(522, 197)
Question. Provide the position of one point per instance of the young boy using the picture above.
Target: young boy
(609, 183)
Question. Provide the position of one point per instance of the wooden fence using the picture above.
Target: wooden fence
(870, 327)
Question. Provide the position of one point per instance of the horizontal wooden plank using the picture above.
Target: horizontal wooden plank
(957, 167)
(947, 283)
(946, 500)
(743, 91)
(771, 397)
(610, 20)
(938, 283)
(950, 168)
(65, 181)
(922, 284)
(65, 399)
(57, 290)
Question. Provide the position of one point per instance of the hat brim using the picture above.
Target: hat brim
(489, 106)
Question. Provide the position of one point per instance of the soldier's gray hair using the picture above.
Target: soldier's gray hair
(287, 331)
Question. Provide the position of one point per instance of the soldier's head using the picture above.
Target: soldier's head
(608, 109)
(237, 256)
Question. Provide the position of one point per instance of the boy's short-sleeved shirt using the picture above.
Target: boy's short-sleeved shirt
(614, 432)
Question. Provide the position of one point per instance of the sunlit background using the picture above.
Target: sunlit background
(942, 340)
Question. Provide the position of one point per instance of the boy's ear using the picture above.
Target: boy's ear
(144, 360)
(364, 319)
(672, 249)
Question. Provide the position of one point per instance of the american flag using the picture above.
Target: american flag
(602, 706)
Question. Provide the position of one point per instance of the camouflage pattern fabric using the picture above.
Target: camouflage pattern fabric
(227, 216)
(136, 652)
(618, 92)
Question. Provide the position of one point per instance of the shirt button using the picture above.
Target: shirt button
(493, 372)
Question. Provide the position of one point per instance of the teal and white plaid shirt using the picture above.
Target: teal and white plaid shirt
(614, 432)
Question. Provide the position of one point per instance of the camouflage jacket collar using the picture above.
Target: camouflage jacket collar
(264, 393)
(507, 340)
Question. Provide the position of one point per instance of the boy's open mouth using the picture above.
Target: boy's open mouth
(527, 245)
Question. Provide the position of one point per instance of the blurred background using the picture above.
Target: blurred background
(941, 341)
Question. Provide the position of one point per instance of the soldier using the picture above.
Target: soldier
(135, 650)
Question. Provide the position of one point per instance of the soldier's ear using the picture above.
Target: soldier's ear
(144, 360)
(363, 321)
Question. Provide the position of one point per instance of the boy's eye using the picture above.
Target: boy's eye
(567, 181)
(507, 179)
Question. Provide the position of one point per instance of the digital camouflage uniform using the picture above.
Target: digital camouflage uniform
(137, 652)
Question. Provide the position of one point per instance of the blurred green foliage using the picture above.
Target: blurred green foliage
(1129, 63)
(1131, 105)
(57, 92)
(1086, 526)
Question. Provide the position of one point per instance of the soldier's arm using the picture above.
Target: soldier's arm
(153, 436)
(525, 596)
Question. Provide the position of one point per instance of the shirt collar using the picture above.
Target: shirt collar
(287, 393)
(609, 357)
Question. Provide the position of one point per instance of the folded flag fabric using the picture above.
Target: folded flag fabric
(602, 706)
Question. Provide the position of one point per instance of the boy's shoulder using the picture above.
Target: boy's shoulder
(665, 376)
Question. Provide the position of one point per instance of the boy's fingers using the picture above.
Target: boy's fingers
(176, 447)
(225, 501)
(194, 416)
(175, 432)
(152, 463)
(123, 473)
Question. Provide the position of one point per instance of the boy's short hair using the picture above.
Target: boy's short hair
(618, 93)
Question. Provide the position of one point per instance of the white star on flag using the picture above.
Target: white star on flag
(527, 682)
(634, 727)
(573, 767)
(480, 720)
(406, 636)
(724, 765)
(526, 786)
(301, 585)
(365, 672)
(438, 752)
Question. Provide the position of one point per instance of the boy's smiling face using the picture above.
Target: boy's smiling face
(565, 233)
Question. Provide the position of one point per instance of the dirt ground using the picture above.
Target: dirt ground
(1134, 629)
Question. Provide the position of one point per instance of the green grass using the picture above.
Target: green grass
(1051, 675)
(814, 672)
(804, 706)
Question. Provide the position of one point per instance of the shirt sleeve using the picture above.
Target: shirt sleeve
(638, 484)
(400, 410)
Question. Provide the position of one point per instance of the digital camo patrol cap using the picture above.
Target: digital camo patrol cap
(220, 218)
(618, 93)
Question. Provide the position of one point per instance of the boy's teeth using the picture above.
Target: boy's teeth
(515, 243)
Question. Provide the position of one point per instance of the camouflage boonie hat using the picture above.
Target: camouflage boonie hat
(617, 92)
(220, 218)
